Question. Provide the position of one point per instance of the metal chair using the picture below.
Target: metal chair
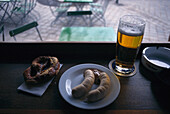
(22, 8)
(2, 32)
(26, 27)
(5, 10)
(59, 10)
(85, 15)
(98, 9)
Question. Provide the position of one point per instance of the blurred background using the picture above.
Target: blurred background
(155, 12)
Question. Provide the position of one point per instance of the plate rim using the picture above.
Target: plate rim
(115, 78)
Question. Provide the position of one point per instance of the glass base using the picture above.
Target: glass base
(123, 72)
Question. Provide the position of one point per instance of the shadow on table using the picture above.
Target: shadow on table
(160, 90)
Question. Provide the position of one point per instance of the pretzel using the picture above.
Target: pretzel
(42, 69)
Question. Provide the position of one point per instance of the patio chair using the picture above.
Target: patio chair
(5, 10)
(98, 9)
(59, 10)
(22, 8)
(2, 32)
(24, 28)
(85, 15)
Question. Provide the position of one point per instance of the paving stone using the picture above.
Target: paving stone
(155, 12)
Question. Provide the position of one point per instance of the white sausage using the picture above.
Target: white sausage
(102, 90)
(82, 89)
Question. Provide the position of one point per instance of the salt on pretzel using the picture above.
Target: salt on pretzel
(42, 69)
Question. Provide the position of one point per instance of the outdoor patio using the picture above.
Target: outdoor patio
(155, 12)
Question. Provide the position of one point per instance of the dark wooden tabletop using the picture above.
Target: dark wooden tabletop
(142, 93)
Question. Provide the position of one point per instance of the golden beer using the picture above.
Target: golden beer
(127, 48)
(129, 38)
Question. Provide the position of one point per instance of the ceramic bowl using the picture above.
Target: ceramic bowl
(156, 59)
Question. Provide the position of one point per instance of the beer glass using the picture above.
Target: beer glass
(129, 37)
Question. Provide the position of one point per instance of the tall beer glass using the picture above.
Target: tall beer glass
(129, 37)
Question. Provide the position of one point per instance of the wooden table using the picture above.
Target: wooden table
(138, 94)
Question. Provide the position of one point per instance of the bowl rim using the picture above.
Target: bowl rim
(151, 63)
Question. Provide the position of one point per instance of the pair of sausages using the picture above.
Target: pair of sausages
(90, 77)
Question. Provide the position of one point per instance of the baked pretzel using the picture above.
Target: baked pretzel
(42, 69)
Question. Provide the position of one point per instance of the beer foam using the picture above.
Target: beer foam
(130, 31)
(131, 25)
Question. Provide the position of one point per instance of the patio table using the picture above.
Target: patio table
(87, 34)
(138, 94)
(79, 1)
(79, 4)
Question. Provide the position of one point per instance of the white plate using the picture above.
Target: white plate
(74, 76)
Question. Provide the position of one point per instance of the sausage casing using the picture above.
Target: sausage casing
(102, 90)
(82, 89)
